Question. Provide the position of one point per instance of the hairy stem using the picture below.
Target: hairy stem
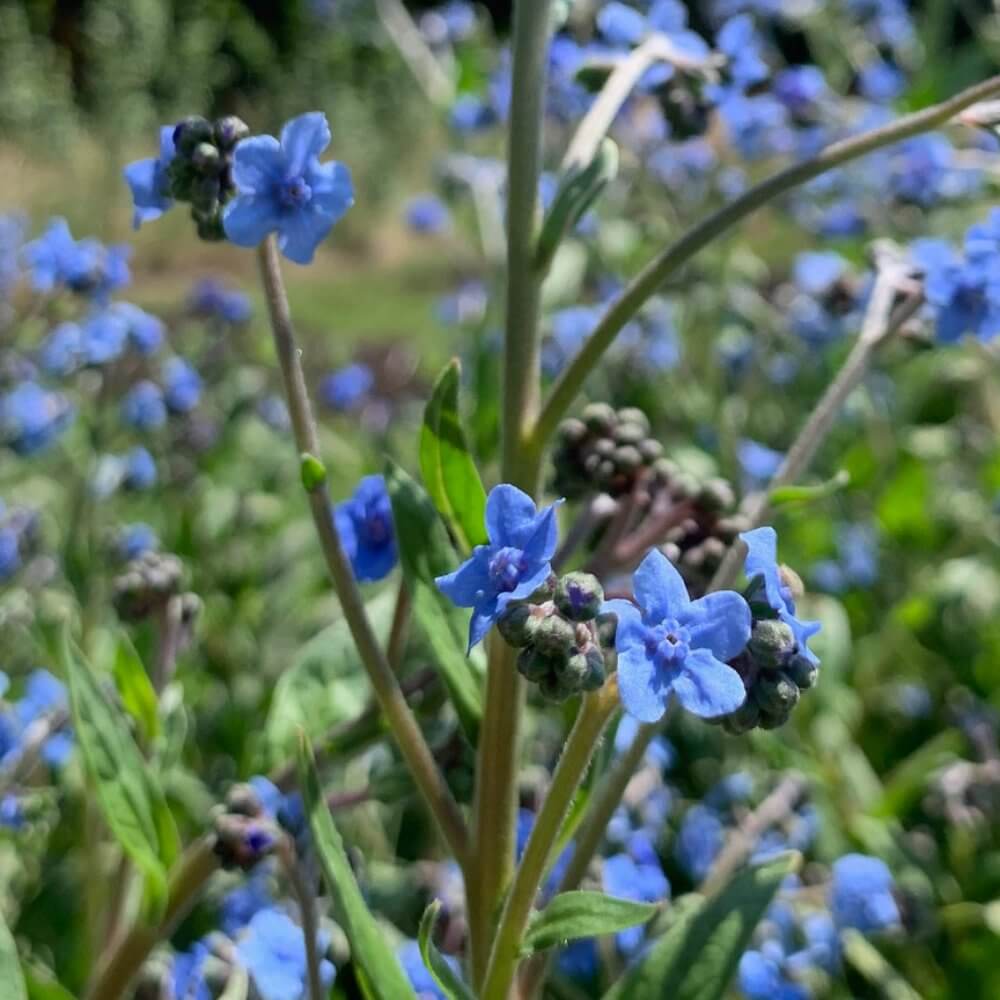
(495, 806)
(652, 277)
(595, 711)
(402, 722)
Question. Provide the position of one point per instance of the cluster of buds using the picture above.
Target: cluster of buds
(559, 646)
(245, 832)
(214, 973)
(605, 451)
(774, 669)
(148, 584)
(200, 171)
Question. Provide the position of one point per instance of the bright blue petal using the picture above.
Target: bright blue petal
(630, 630)
(659, 588)
(303, 139)
(482, 619)
(249, 218)
(540, 544)
(466, 585)
(642, 694)
(720, 623)
(527, 585)
(707, 687)
(344, 524)
(300, 232)
(332, 189)
(258, 163)
(508, 509)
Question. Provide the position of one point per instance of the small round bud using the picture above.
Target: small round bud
(745, 718)
(604, 447)
(776, 694)
(534, 665)
(191, 131)
(771, 643)
(606, 472)
(554, 636)
(206, 159)
(579, 596)
(572, 431)
(685, 486)
(607, 627)
(229, 130)
(629, 433)
(650, 449)
(209, 227)
(802, 672)
(665, 470)
(517, 624)
(596, 672)
(554, 688)
(716, 495)
(774, 720)
(600, 418)
(633, 415)
(575, 671)
(627, 458)
(243, 800)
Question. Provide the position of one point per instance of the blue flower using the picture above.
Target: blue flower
(187, 974)
(139, 469)
(816, 272)
(515, 563)
(149, 183)
(181, 386)
(801, 88)
(699, 841)
(643, 881)
(283, 188)
(31, 417)
(10, 553)
(239, 906)
(761, 977)
(61, 352)
(143, 407)
(621, 24)
(739, 41)
(212, 299)
(84, 266)
(273, 951)
(145, 331)
(103, 337)
(757, 126)
(861, 894)
(758, 462)
(762, 562)
(426, 213)
(346, 387)
(135, 539)
(43, 695)
(671, 645)
(364, 524)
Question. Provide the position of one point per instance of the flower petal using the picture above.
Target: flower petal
(482, 618)
(507, 510)
(300, 232)
(630, 630)
(467, 584)
(643, 695)
(303, 139)
(720, 623)
(707, 687)
(659, 588)
(332, 189)
(247, 219)
(539, 545)
(257, 164)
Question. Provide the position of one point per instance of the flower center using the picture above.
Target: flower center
(377, 527)
(668, 643)
(294, 192)
(505, 569)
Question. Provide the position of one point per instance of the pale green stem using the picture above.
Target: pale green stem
(495, 806)
(653, 276)
(306, 899)
(595, 711)
(423, 64)
(402, 723)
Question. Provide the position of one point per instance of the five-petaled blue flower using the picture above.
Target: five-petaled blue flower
(148, 181)
(515, 563)
(283, 188)
(364, 524)
(861, 894)
(673, 645)
(762, 561)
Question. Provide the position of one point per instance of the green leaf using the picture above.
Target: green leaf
(447, 466)
(425, 553)
(697, 956)
(135, 688)
(444, 975)
(10, 968)
(323, 686)
(783, 495)
(129, 794)
(573, 915)
(369, 949)
(869, 961)
(42, 985)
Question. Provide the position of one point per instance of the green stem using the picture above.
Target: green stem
(391, 699)
(652, 277)
(593, 716)
(113, 976)
(306, 899)
(495, 806)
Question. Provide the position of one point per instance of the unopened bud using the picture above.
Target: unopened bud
(518, 624)
(776, 694)
(802, 672)
(579, 596)
(554, 636)
(533, 665)
(229, 130)
(771, 643)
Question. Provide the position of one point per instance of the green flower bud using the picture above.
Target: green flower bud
(579, 596)
(771, 643)
(745, 718)
(633, 415)
(604, 447)
(600, 418)
(802, 672)
(534, 665)
(575, 671)
(554, 636)
(191, 131)
(207, 160)
(685, 486)
(627, 458)
(229, 130)
(607, 626)
(554, 687)
(665, 470)
(596, 672)
(518, 624)
(629, 434)
(776, 694)
(774, 720)
(209, 226)
(716, 495)
(650, 449)
(572, 431)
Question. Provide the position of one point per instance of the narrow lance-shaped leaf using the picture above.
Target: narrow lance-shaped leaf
(131, 799)
(425, 553)
(369, 950)
(444, 974)
(135, 688)
(574, 915)
(446, 464)
(697, 956)
(11, 978)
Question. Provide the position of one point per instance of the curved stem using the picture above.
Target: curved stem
(593, 716)
(402, 722)
(113, 976)
(306, 899)
(651, 278)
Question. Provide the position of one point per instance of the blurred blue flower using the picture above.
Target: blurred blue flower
(762, 568)
(761, 977)
(31, 417)
(861, 894)
(345, 388)
(187, 974)
(61, 352)
(238, 907)
(135, 539)
(671, 645)
(283, 188)
(143, 406)
(740, 42)
(423, 983)
(273, 951)
(149, 183)
(364, 524)
(815, 272)
(210, 298)
(757, 462)
(621, 24)
(641, 880)
(103, 337)
(512, 566)
(466, 305)
(139, 469)
(880, 81)
(699, 841)
(43, 695)
(757, 126)
(10, 552)
(181, 386)
(145, 331)
(56, 259)
(426, 213)
(801, 89)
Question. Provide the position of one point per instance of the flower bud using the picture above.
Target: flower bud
(600, 418)
(518, 624)
(627, 458)
(572, 431)
(802, 672)
(191, 131)
(534, 665)
(206, 159)
(556, 687)
(229, 130)
(716, 495)
(596, 673)
(651, 450)
(745, 718)
(771, 643)
(554, 636)
(579, 596)
(777, 694)
(628, 433)
(633, 415)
